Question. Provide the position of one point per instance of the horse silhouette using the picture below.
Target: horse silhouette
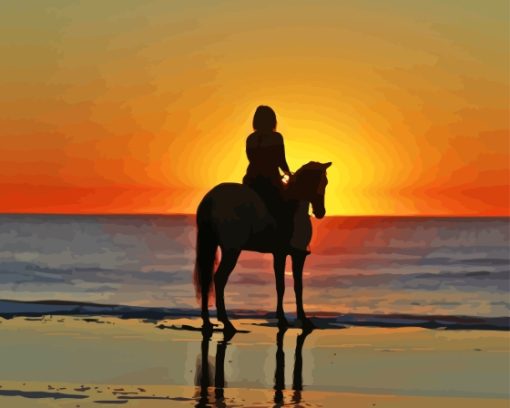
(234, 218)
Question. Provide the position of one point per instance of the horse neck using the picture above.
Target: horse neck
(302, 208)
(297, 192)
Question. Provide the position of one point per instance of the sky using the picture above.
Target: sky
(143, 106)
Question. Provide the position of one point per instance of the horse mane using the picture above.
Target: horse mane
(308, 167)
(299, 181)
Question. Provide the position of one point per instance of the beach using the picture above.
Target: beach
(71, 361)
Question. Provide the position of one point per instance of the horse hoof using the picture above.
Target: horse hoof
(229, 328)
(305, 324)
(207, 329)
(283, 323)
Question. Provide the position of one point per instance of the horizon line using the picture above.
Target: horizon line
(327, 216)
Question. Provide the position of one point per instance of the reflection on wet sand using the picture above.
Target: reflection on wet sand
(297, 374)
(208, 396)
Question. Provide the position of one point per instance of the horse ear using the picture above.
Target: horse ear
(326, 165)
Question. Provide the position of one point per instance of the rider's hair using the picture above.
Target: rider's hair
(264, 119)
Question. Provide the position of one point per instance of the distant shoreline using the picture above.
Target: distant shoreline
(323, 320)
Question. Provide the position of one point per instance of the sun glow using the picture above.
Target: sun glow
(150, 109)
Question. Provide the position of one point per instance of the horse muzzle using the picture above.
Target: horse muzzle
(319, 214)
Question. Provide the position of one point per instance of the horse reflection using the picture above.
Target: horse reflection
(207, 396)
(203, 375)
(297, 374)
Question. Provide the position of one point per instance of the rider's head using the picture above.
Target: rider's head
(264, 119)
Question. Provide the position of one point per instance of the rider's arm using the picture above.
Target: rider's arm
(281, 154)
(250, 148)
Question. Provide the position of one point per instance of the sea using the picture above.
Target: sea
(447, 266)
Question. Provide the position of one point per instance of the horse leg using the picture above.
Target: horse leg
(279, 273)
(226, 266)
(207, 327)
(298, 262)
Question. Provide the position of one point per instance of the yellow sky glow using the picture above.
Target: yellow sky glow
(129, 106)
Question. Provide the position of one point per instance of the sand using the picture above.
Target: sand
(92, 361)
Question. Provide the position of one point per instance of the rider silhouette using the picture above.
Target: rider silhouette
(266, 155)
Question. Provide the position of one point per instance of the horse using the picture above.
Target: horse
(233, 217)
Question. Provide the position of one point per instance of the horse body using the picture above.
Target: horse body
(236, 213)
(233, 217)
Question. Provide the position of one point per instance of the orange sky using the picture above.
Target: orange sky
(129, 106)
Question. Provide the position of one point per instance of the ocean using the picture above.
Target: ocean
(372, 265)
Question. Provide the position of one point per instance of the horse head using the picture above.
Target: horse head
(309, 184)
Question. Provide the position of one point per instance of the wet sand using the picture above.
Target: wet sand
(71, 395)
(84, 361)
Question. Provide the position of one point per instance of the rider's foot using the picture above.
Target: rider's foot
(297, 251)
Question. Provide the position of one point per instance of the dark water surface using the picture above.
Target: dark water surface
(374, 265)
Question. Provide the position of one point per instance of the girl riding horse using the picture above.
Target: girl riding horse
(251, 216)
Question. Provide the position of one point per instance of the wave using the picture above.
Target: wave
(322, 320)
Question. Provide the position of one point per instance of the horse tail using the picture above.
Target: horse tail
(206, 255)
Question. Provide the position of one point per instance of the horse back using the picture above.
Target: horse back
(236, 213)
